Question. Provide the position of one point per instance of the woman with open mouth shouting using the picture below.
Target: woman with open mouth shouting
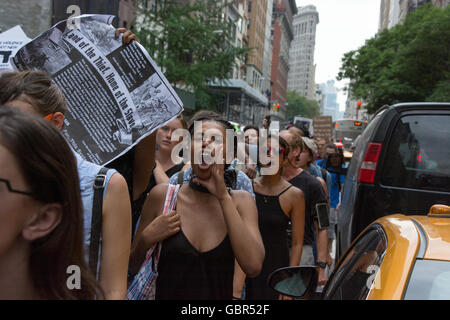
(212, 228)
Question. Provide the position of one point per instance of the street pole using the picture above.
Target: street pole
(241, 116)
(227, 110)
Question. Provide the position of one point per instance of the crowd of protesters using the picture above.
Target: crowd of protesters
(232, 225)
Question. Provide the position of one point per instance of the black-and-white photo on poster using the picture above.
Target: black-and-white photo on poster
(116, 94)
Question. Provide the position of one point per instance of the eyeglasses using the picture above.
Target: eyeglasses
(10, 189)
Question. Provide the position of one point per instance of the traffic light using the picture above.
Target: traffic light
(358, 104)
(276, 107)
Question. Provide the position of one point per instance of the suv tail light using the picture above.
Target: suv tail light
(369, 165)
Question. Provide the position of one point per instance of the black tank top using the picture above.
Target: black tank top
(273, 224)
(188, 274)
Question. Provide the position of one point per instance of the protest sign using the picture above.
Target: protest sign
(116, 94)
(10, 41)
(323, 127)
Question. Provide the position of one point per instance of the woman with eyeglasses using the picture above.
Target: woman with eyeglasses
(217, 226)
(41, 220)
(278, 203)
(35, 93)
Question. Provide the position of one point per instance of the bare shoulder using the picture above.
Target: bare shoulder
(116, 202)
(117, 190)
(159, 190)
(297, 192)
(117, 182)
(241, 195)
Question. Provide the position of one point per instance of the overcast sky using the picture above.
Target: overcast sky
(344, 25)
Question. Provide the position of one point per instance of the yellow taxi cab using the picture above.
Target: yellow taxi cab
(396, 257)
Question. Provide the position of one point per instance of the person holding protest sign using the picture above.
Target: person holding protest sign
(164, 166)
(41, 221)
(216, 226)
(34, 92)
(137, 165)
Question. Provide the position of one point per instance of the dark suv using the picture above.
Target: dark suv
(401, 164)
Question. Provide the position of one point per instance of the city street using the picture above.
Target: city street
(227, 155)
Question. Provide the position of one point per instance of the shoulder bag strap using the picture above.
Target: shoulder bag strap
(181, 177)
(96, 222)
(169, 205)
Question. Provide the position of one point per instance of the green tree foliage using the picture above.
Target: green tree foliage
(407, 63)
(191, 42)
(301, 106)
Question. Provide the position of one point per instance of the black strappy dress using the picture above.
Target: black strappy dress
(273, 224)
(188, 274)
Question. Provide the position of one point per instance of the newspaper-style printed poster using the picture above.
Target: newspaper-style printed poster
(10, 41)
(116, 94)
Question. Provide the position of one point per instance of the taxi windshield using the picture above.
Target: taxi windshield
(430, 280)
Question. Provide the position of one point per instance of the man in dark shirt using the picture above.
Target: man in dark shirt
(314, 195)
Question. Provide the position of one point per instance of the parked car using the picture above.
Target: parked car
(401, 163)
(396, 257)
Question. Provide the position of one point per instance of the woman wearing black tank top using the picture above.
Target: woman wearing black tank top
(278, 203)
(211, 229)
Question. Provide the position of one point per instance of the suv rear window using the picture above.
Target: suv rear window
(418, 155)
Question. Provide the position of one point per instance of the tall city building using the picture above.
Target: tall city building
(242, 94)
(331, 106)
(256, 38)
(267, 63)
(282, 16)
(320, 98)
(393, 12)
(236, 15)
(301, 62)
(241, 22)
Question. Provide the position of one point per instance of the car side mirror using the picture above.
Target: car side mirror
(296, 282)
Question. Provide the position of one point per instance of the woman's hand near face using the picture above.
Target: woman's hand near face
(250, 171)
(216, 182)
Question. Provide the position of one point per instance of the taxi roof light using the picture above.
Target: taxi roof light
(440, 210)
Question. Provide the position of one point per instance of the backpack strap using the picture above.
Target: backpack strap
(96, 222)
